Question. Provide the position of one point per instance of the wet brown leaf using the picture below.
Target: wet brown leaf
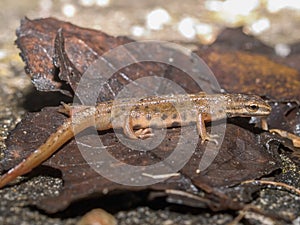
(245, 72)
(242, 155)
(36, 40)
(58, 53)
(239, 159)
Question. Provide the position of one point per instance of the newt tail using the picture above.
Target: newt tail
(64, 133)
(137, 116)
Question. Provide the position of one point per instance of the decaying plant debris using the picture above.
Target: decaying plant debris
(55, 63)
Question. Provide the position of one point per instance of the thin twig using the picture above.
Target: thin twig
(278, 185)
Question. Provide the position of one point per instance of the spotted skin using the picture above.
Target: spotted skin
(137, 116)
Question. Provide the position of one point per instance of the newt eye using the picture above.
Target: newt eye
(252, 107)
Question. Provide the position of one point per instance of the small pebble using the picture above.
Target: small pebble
(97, 217)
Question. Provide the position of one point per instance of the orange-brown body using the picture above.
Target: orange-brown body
(137, 116)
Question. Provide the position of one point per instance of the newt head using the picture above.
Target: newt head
(246, 106)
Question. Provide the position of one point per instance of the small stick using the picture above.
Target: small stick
(294, 138)
(278, 185)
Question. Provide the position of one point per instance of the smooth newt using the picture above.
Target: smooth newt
(136, 116)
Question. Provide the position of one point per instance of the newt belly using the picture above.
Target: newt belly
(137, 116)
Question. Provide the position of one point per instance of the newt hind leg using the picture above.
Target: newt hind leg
(138, 134)
(65, 109)
(144, 133)
(71, 110)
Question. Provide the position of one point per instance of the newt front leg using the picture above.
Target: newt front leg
(160, 109)
(202, 131)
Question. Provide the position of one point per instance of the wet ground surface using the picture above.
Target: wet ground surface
(17, 96)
